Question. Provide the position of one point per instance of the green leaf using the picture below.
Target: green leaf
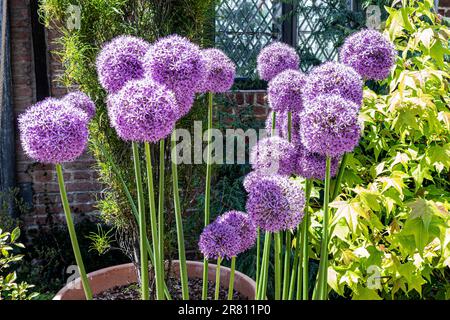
(370, 199)
(426, 37)
(365, 294)
(15, 234)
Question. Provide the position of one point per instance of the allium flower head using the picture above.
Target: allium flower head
(81, 100)
(220, 72)
(281, 125)
(243, 227)
(334, 78)
(175, 62)
(143, 110)
(369, 53)
(275, 203)
(52, 131)
(284, 92)
(275, 58)
(121, 60)
(313, 165)
(273, 155)
(219, 240)
(329, 126)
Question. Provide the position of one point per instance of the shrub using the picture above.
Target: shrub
(10, 289)
(390, 236)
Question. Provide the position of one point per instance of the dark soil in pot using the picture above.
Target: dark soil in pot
(132, 291)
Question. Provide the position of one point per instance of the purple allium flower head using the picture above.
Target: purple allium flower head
(329, 126)
(313, 165)
(219, 240)
(284, 92)
(281, 125)
(275, 203)
(220, 72)
(243, 226)
(275, 58)
(273, 155)
(175, 62)
(81, 100)
(143, 110)
(334, 78)
(121, 60)
(52, 131)
(369, 53)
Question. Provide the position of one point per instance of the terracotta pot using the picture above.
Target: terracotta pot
(124, 274)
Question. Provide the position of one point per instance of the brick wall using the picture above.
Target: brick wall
(444, 8)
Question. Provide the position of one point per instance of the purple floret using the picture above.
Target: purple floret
(243, 226)
(329, 126)
(285, 91)
(121, 60)
(219, 240)
(220, 72)
(313, 165)
(143, 110)
(369, 53)
(273, 155)
(52, 131)
(275, 58)
(185, 100)
(275, 203)
(81, 100)
(334, 78)
(250, 179)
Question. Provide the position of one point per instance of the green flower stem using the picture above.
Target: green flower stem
(323, 265)
(294, 266)
(277, 258)
(153, 223)
(289, 126)
(231, 285)
(216, 291)
(179, 222)
(299, 293)
(72, 233)
(161, 211)
(142, 224)
(305, 243)
(134, 210)
(338, 180)
(287, 265)
(207, 190)
(262, 290)
(258, 255)
(300, 244)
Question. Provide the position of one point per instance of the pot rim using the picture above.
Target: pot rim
(195, 268)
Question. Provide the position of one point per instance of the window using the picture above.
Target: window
(315, 27)
(243, 28)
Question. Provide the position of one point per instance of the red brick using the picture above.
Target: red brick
(261, 98)
(250, 98)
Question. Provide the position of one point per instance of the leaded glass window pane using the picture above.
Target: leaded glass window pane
(244, 27)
